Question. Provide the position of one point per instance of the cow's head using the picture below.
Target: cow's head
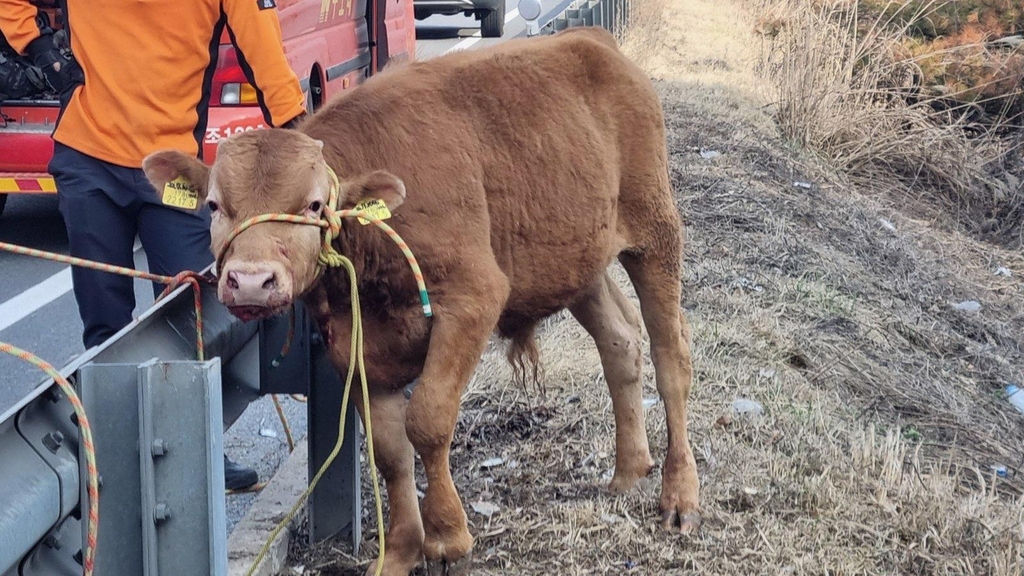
(258, 172)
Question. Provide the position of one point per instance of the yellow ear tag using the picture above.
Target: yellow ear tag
(373, 207)
(180, 194)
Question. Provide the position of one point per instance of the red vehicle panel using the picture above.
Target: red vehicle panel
(332, 45)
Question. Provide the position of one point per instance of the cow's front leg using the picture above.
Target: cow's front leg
(458, 336)
(395, 460)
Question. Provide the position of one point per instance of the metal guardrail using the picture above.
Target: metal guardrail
(612, 15)
(158, 418)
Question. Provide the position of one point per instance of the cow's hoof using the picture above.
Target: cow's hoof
(626, 480)
(391, 568)
(683, 522)
(459, 567)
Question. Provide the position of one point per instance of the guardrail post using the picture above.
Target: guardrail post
(181, 451)
(285, 373)
(158, 432)
(597, 12)
(335, 506)
(113, 389)
(587, 15)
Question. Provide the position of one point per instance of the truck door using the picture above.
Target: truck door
(392, 30)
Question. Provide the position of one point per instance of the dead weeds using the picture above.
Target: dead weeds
(846, 86)
(883, 414)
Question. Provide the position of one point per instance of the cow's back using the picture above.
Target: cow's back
(520, 148)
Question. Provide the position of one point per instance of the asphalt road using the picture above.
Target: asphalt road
(38, 311)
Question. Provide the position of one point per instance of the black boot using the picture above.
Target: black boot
(236, 477)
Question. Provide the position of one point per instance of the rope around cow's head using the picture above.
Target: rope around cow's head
(330, 221)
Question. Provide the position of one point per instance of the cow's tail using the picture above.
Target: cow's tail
(524, 356)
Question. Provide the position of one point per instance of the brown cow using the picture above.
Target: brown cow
(516, 174)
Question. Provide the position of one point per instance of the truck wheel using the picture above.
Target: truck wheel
(493, 25)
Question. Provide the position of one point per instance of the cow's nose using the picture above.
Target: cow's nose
(251, 288)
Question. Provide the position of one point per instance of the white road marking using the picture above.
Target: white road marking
(34, 298)
(476, 37)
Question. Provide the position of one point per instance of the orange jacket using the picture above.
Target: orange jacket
(148, 65)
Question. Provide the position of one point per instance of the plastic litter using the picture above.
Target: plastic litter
(1015, 396)
(968, 306)
(747, 406)
(485, 508)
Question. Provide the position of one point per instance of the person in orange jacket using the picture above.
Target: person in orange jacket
(139, 81)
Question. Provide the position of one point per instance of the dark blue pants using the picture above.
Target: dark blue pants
(104, 207)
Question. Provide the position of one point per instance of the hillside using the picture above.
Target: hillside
(829, 300)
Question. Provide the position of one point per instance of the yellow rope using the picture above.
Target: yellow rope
(356, 353)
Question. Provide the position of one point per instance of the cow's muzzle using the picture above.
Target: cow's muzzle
(254, 291)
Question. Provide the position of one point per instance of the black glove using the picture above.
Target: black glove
(17, 79)
(61, 73)
(291, 124)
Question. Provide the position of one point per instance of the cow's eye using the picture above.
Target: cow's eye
(315, 206)
(213, 206)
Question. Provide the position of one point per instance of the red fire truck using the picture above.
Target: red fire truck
(332, 45)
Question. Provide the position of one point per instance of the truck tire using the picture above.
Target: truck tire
(493, 25)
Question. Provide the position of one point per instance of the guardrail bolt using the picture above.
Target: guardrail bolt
(161, 513)
(53, 441)
(52, 542)
(159, 447)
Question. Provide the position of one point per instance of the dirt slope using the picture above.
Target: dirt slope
(881, 400)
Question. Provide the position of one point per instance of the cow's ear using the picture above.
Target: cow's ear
(187, 174)
(379, 185)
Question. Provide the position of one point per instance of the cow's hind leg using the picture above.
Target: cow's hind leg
(462, 325)
(396, 460)
(614, 324)
(656, 273)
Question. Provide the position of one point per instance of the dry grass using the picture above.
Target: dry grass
(882, 413)
(846, 87)
(641, 30)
